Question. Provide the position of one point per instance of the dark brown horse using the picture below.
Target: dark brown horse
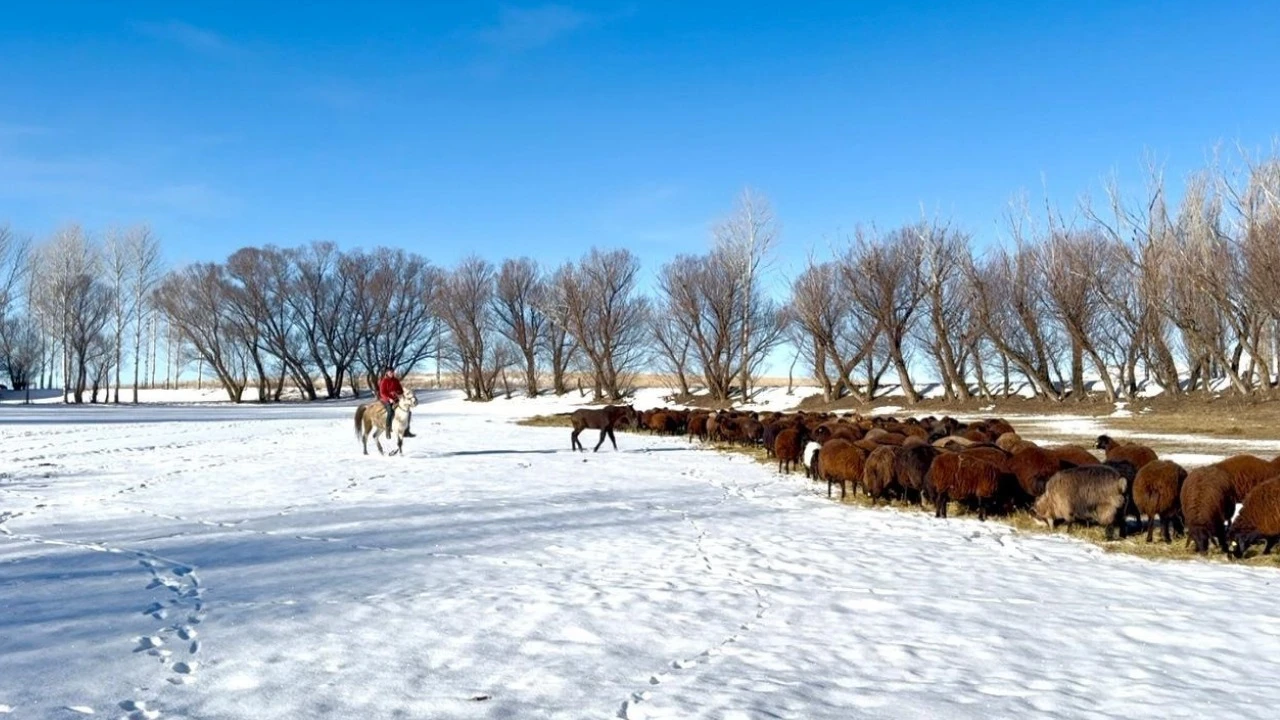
(604, 419)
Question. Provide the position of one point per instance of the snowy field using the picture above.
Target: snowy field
(245, 562)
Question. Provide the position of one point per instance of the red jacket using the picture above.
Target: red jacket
(389, 389)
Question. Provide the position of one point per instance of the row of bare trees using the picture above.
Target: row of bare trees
(1132, 289)
(78, 308)
(1184, 296)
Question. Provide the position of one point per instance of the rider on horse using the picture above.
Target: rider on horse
(389, 392)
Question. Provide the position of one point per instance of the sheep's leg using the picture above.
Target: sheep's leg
(1271, 542)
(1165, 524)
(1151, 525)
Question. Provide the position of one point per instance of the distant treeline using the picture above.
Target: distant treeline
(1130, 289)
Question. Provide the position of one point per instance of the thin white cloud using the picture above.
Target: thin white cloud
(523, 29)
(193, 38)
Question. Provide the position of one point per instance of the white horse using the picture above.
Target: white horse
(371, 418)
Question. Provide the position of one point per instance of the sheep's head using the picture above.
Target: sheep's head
(1105, 442)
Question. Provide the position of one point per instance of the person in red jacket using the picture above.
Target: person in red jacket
(389, 392)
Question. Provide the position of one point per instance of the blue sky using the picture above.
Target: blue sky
(542, 129)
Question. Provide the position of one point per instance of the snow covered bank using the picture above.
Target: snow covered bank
(246, 562)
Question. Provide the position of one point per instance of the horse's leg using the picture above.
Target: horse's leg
(612, 439)
(575, 444)
(604, 432)
(364, 439)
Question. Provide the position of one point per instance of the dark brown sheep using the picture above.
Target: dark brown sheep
(840, 461)
(789, 447)
(1073, 454)
(955, 476)
(1156, 491)
(698, 426)
(1092, 493)
(1136, 455)
(1258, 521)
(1247, 472)
(1208, 500)
(1033, 466)
(911, 470)
(878, 476)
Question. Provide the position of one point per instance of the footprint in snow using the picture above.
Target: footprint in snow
(148, 642)
(185, 668)
(81, 709)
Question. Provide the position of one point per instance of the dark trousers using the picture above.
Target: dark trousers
(390, 407)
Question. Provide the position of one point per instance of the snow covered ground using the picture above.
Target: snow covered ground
(247, 562)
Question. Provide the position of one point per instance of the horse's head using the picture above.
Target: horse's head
(407, 401)
(629, 414)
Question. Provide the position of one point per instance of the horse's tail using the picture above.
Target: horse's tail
(359, 420)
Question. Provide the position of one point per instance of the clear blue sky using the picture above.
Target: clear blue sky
(541, 129)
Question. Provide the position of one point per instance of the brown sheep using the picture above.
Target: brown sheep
(1258, 521)
(998, 427)
(1156, 491)
(1033, 466)
(789, 446)
(1073, 454)
(914, 441)
(698, 426)
(878, 473)
(1208, 500)
(954, 476)
(884, 437)
(1009, 441)
(840, 461)
(1091, 493)
(1247, 472)
(911, 470)
(990, 453)
(1136, 455)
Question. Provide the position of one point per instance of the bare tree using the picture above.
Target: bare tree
(465, 300)
(117, 264)
(393, 294)
(145, 264)
(944, 253)
(519, 294)
(77, 301)
(560, 345)
(884, 276)
(744, 241)
(598, 303)
(1069, 267)
(708, 301)
(322, 299)
(1008, 305)
(673, 347)
(834, 340)
(194, 302)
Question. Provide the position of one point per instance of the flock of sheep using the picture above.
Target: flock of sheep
(987, 467)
